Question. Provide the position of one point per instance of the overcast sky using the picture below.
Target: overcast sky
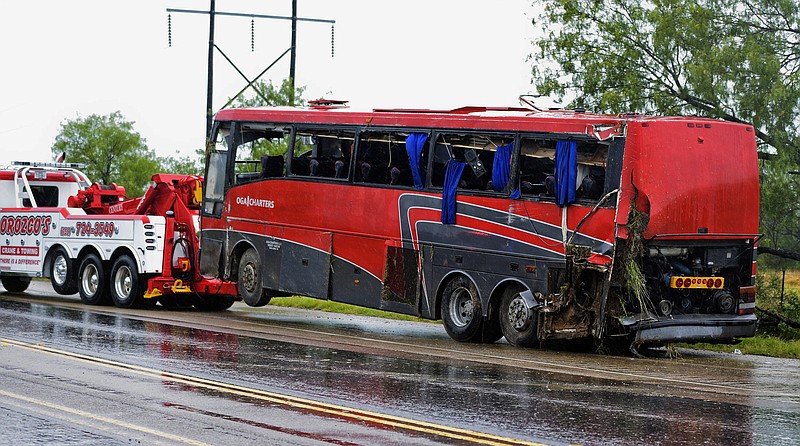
(65, 59)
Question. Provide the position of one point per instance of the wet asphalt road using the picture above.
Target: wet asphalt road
(151, 391)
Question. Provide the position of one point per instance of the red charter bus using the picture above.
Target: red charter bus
(536, 226)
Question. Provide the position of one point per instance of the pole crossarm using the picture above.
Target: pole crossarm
(258, 16)
(250, 83)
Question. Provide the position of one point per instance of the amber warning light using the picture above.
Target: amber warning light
(696, 282)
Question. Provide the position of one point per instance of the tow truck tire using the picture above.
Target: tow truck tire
(62, 272)
(127, 290)
(518, 322)
(15, 284)
(461, 310)
(92, 281)
(249, 280)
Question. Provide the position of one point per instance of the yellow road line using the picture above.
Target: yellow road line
(88, 415)
(287, 400)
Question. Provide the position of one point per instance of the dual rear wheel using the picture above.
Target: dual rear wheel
(123, 286)
(464, 320)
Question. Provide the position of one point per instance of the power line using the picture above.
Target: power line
(211, 46)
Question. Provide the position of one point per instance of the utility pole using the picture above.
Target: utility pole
(210, 91)
(294, 50)
(212, 12)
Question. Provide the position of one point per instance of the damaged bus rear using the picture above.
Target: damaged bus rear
(687, 230)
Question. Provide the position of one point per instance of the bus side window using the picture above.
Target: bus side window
(322, 153)
(260, 150)
(537, 167)
(383, 159)
(476, 151)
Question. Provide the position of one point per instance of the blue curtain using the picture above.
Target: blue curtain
(414, 144)
(501, 169)
(566, 172)
(451, 178)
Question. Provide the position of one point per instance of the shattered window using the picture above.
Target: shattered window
(476, 151)
(537, 168)
(383, 159)
(324, 153)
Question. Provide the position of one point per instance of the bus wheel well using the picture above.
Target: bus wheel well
(236, 256)
(441, 287)
(500, 289)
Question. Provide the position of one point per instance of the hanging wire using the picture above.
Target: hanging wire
(252, 35)
(331, 39)
(169, 30)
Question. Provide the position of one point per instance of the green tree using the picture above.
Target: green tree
(265, 94)
(111, 150)
(186, 165)
(737, 60)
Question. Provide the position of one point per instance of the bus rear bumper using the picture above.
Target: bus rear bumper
(713, 328)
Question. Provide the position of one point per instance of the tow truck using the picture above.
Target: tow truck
(87, 238)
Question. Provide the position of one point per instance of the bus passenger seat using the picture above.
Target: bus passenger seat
(394, 173)
(313, 167)
(365, 168)
(338, 167)
(550, 185)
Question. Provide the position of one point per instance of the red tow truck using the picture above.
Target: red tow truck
(87, 238)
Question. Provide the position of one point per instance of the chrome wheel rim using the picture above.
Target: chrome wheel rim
(90, 280)
(461, 307)
(123, 282)
(60, 270)
(518, 313)
(249, 277)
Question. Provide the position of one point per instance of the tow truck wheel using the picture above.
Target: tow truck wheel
(518, 322)
(62, 272)
(461, 310)
(15, 284)
(249, 280)
(126, 287)
(92, 281)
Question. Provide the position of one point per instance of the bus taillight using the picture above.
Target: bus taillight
(747, 299)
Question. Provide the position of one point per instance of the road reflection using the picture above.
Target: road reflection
(526, 404)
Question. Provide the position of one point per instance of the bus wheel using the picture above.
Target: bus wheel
(461, 310)
(214, 303)
(250, 284)
(126, 287)
(15, 284)
(62, 274)
(92, 283)
(517, 321)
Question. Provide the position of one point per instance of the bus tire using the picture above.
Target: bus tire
(461, 310)
(15, 284)
(62, 272)
(518, 322)
(249, 280)
(125, 284)
(214, 302)
(92, 281)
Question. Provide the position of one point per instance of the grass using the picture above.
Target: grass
(764, 345)
(308, 303)
(780, 341)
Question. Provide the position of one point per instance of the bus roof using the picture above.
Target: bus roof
(470, 117)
